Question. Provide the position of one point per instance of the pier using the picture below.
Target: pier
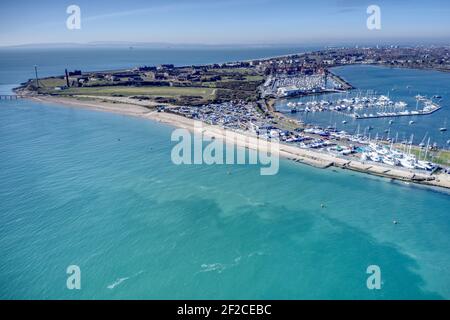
(10, 97)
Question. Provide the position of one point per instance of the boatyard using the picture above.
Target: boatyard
(242, 117)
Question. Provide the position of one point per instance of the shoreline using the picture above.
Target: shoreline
(293, 153)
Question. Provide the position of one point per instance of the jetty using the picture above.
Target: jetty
(423, 112)
(340, 81)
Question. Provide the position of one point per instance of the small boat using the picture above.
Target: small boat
(391, 121)
(425, 165)
(407, 163)
(375, 157)
(412, 122)
(444, 128)
(420, 98)
(390, 161)
(344, 122)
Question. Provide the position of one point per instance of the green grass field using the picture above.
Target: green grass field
(50, 83)
(441, 157)
(172, 92)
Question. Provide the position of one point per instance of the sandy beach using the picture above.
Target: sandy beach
(306, 156)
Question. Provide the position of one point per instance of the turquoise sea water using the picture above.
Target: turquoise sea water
(99, 191)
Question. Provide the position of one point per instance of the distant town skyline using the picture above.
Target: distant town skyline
(224, 22)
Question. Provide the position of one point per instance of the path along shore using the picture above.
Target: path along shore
(307, 156)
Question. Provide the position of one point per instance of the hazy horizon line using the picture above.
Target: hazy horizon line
(320, 42)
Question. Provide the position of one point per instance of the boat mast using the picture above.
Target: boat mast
(426, 150)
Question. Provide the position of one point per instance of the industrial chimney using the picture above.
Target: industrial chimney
(67, 79)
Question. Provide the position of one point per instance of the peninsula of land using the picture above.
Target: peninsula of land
(239, 97)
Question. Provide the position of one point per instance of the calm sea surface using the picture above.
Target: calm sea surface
(99, 191)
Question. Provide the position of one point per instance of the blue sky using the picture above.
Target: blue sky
(223, 21)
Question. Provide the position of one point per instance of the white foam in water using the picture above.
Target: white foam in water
(212, 267)
(120, 280)
(117, 282)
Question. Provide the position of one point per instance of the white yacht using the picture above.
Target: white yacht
(407, 163)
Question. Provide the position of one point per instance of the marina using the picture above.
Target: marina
(353, 107)
(282, 86)
(429, 108)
